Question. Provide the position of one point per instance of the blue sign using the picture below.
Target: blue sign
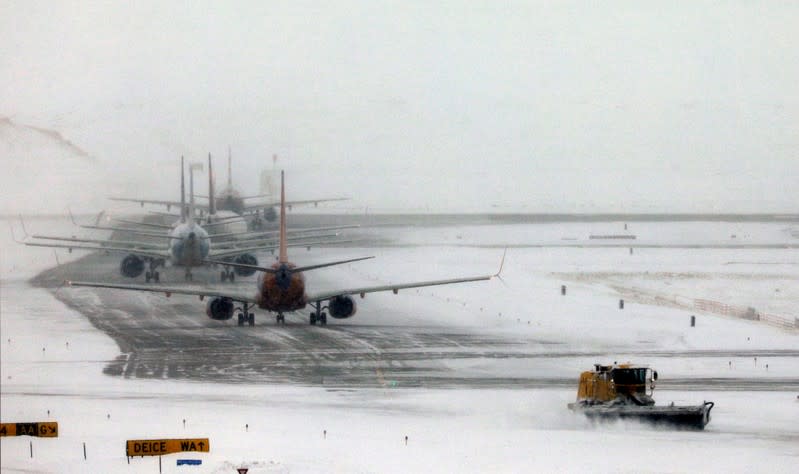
(190, 462)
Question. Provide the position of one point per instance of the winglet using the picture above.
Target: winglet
(24, 230)
(501, 264)
(100, 217)
(63, 283)
(13, 235)
(72, 217)
(283, 258)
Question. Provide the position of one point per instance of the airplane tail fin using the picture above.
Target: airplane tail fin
(182, 192)
(283, 251)
(190, 208)
(229, 170)
(211, 197)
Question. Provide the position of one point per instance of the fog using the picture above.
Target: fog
(524, 106)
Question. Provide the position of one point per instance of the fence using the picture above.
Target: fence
(746, 312)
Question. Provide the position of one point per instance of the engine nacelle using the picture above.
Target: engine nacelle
(219, 308)
(341, 307)
(132, 266)
(245, 259)
(270, 214)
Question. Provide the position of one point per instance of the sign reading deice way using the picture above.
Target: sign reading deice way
(45, 429)
(159, 447)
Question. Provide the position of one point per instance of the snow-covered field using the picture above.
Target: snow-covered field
(52, 362)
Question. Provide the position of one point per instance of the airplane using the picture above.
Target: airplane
(281, 288)
(231, 200)
(188, 245)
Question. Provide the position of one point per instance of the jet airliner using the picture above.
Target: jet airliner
(281, 288)
(188, 245)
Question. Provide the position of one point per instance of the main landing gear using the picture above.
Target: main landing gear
(227, 275)
(152, 272)
(280, 319)
(245, 316)
(318, 315)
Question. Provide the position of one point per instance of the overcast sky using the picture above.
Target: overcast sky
(538, 106)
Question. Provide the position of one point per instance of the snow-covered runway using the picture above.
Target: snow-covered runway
(476, 375)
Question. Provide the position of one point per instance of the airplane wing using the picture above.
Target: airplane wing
(256, 196)
(250, 235)
(233, 252)
(168, 204)
(144, 224)
(168, 290)
(128, 229)
(295, 269)
(141, 252)
(99, 241)
(395, 288)
(289, 204)
(231, 244)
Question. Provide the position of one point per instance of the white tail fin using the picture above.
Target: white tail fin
(283, 251)
(211, 197)
(190, 210)
(182, 192)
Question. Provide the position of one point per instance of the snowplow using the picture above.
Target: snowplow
(612, 392)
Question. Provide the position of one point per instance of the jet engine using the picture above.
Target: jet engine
(270, 214)
(341, 307)
(132, 266)
(245, 259)
(220, 308)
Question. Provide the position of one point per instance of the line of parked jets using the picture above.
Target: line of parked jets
(280, 288)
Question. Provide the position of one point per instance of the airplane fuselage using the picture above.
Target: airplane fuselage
(233, 223)
(189, 245)
(229, 200)
(282, 291)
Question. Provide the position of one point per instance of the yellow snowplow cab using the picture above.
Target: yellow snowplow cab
(608, 382)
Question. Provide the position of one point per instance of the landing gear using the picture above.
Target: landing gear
(257, 223)
(189, 276)
(280, 319)
(248, 318)
(227, 275)
(318, 316)
(154, 276)
(245, 316)
(152, 273)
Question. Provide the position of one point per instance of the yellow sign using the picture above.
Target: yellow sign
(159, 447)
(45, 429)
